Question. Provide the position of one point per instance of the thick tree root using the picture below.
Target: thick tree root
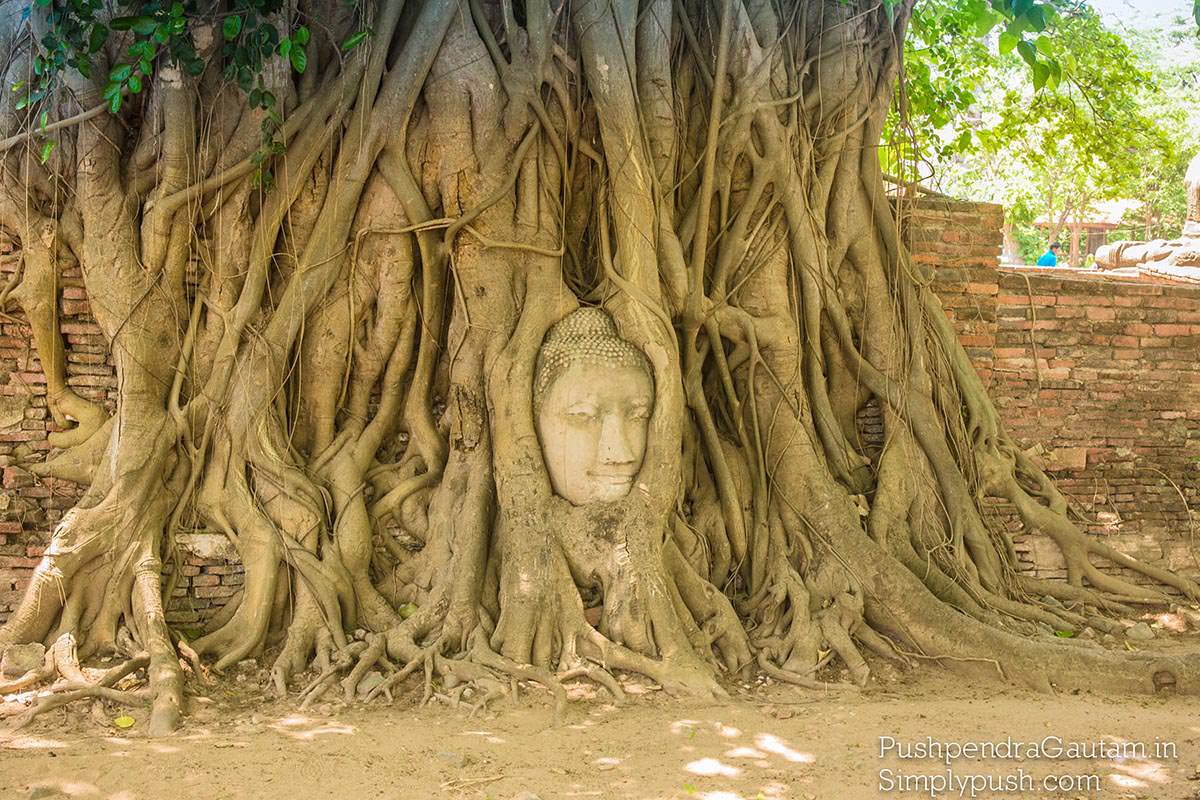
(74, 683)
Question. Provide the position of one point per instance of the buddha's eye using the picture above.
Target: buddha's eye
(641, 412)
(581, 413)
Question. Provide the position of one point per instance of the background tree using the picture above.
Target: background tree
(1110, 122)
(326, 277)
(1171, 50)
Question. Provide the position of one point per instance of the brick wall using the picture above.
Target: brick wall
(961, 242)
(1103, 375)
(30, 507)
(1098, 375)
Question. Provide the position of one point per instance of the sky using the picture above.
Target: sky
(1125, 16)
(1142, 13)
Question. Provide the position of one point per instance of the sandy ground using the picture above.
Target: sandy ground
(765, 742)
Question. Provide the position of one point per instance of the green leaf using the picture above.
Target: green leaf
(355, 40)
(300, 37)
(124, 721)
(985, 20)
(1065, 634)
(1007, 42)
(97, 38)
(145, 26)
(299, 59)
(1027, 51)
(232, 27)
(47, 149)
(1037, 18)
(142, 24)
(120, 72)
(1056, 73)
(407, 610)
(135, 84)
(114, 103)
(1041, 74)
(1045, 45)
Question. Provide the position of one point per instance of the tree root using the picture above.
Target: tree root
(70, 693)
(75, 684)
(795, 679)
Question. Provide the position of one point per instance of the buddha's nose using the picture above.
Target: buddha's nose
(615, 446)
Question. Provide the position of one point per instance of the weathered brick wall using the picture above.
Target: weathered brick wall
(29, 507)
(961, 242)
(1103, 372)
(1103, 375)
(1097, 375)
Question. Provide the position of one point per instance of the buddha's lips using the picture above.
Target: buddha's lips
(612, 477)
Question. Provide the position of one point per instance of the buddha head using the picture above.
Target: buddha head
(592, 397)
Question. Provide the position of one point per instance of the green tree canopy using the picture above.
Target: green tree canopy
(1046, 122)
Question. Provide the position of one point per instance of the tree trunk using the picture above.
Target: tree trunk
(1076, 243)
(1011, 250)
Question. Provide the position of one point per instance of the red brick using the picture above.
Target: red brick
(215, 591)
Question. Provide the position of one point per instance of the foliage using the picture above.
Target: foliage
(1105, 124)
(1172, 54)
(950, 56)
(149, 33)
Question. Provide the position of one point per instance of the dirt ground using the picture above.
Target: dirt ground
(766, 742)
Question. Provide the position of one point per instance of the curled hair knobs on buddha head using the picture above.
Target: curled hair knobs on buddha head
(585, 336)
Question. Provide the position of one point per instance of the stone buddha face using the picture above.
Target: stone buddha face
(593, 395)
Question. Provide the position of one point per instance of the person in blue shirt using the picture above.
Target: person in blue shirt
(1050, 257)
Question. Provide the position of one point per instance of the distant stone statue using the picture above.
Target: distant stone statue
(1183, 252)
(593, 394)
